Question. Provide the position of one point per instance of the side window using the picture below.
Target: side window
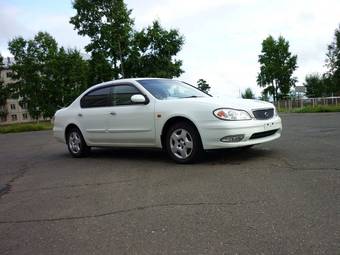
(121, 94)
(96, 98)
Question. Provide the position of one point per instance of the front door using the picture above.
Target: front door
(130, 124)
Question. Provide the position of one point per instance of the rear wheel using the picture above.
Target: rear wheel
(183, 143)
(76, 143)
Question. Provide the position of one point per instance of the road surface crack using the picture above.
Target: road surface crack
(134, 209)
(76, 185)
(8, 186)
(298, 168)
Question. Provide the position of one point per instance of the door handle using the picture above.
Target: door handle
(113, 113)
(80, 115)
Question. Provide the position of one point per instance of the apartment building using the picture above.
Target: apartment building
(11, 112)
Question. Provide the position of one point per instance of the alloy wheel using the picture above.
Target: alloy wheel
(74, 142)
(181, 143)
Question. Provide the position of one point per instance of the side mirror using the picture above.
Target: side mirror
(138, 99)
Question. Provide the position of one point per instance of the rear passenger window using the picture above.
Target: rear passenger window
(121, 94)
(96, 98)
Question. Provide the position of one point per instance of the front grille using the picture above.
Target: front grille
(263, 134)
(264, 114)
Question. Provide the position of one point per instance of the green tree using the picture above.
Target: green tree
(333, 63)
(264, 96)
(203, 85)
(314, 85)
(153, 51)
(46, 77)
(277, 65)
(70, 77)
(109, 26)
(248, 94)
(29, 70)
(100, 69)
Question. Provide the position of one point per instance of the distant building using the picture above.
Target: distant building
(11, 111)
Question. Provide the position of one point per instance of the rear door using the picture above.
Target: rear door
(94, 115)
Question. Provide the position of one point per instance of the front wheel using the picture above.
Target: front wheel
(183, 143)
(76, 143)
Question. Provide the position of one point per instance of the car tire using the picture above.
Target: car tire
(183, 143)
(76, 144)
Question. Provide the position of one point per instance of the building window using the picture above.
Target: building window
(12, 106)
(24, 116)
(3, 118)
(8, 74)
(14, 117)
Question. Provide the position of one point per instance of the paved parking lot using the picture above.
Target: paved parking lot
(277, 198)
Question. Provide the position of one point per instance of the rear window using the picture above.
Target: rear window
(96, 98)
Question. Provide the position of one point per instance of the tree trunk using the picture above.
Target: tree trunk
(121, 58)
(274, 92)
(115, 68)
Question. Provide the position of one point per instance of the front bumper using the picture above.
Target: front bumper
(212, 133)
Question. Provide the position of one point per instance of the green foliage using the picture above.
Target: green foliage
(100, 69)
(333, 63)
(152, 53)
(24, 127)
(318, 108)
(327, 84)
(70, 77)
(277, 65)
(315, 86)
(248, 94)
(264, 96)
(319, 85)
(46, 77)
(109, 26)
(30, 57)
(203, 85)
(146, 53)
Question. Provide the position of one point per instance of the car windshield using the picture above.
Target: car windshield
(170, 89)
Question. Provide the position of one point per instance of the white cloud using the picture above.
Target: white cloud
(9, 25)
(171, 10)
(231, 43)
(60, 28)
(222, 37)
(15, 21)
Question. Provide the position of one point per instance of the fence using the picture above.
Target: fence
(290, 104)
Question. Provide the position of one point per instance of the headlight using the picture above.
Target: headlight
(231, 114)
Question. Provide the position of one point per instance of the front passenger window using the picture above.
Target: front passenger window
(121, 94)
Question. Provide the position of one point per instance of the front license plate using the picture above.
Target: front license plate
(270, 125)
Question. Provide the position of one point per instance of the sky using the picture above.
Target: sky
(222, 37)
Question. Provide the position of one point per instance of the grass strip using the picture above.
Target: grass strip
(24, 127)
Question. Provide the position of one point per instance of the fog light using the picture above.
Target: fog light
(232, 138)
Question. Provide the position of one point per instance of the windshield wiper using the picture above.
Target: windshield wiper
(191, 97)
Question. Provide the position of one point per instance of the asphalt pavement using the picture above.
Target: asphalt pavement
(281, 197)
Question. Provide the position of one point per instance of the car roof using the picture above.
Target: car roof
(125, 80)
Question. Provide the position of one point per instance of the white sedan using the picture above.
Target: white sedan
(163, 113)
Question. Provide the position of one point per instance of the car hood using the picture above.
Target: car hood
(234, 103)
